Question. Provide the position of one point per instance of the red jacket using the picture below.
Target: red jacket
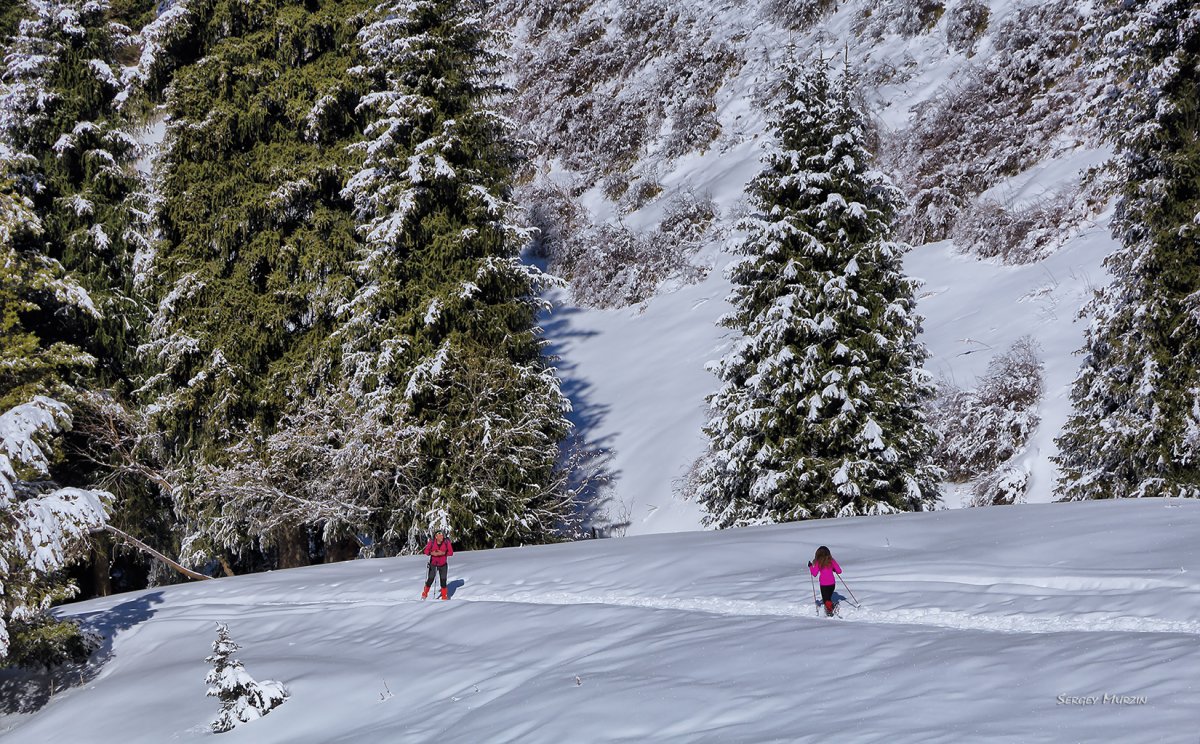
(440, 552)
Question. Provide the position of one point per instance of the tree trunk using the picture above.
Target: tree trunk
(343, 549)
(100, 565)
(151, 551)
(293, 548)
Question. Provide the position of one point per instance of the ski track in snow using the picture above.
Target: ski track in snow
(954, 620)
(934, 617)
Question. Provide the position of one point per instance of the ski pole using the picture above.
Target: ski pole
(847, 588)
(816, 607)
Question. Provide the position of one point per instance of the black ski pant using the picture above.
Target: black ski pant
(826, 592)
(441, 571)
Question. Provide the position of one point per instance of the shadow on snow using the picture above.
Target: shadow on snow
(28, 690)
(585, 452)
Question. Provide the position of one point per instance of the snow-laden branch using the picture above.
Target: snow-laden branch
(40, 533)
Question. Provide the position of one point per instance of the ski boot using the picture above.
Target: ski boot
(425, 593)
(445, 595)
(829, 609)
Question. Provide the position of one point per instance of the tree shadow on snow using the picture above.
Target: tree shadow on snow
(585, 453)
(454, 586)
(28, 690)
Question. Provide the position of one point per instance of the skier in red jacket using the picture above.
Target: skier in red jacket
(438, 549)
(824, 564)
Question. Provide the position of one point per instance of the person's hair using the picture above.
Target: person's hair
(823, 557)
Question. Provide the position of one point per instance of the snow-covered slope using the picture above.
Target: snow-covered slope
(993, 625)
(636, 375)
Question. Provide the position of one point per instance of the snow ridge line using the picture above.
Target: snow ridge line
(954, 620)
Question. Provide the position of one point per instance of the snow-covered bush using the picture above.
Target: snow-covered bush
(888, 70)
(242, 699)
(1019, 235)
(694, 123)
(799, 15)
(617, 75)
(612, 266)
(557, 216)
(643, 187)
(609, 265)
(43, 529)
(545, 14)
(966, 22)
(984, 427)
(1006, 486)
(1000, 119)
(904, 17)
(688, 216)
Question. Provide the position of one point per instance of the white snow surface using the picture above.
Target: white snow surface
(972, 625)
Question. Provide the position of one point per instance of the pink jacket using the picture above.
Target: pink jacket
(440, 552)
(827, 572)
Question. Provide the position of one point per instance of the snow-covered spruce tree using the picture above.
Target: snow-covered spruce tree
(242, 698)
(32, 285)
(1136, 426)
(43, 528)
(253, 264)
(441, 345)
(71, 155)
(345, 340)
(821, 409)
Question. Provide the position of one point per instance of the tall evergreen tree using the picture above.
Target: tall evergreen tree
(443, 333)
(43, 527)
(1136, 426)
(821, 409)
(345, 342)
(70, 153)
(253, 260)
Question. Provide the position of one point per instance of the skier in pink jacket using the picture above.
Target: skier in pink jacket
(438, 549)
(824, 564)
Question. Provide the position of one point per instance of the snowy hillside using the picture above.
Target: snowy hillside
(996, 625)
(636, 374)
